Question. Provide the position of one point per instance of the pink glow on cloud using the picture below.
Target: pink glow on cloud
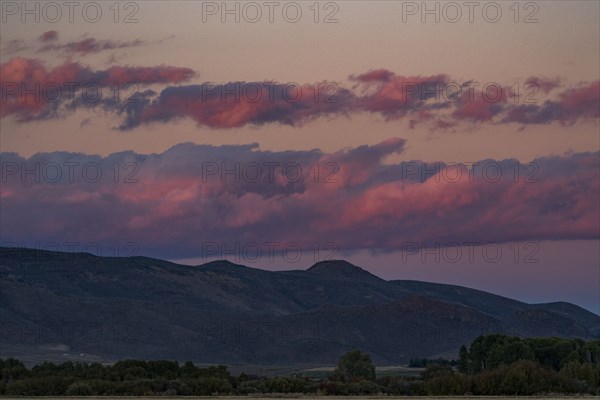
(396, 95)
(30, 90)
(481, 105)
(582, 101)
(419, 99)
(229, 106)
(370, 200)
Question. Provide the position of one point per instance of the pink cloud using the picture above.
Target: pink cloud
(579, 103)
(434, 101)
(237, 104)
(29, 90)
(582, 101)
(481, 105)
(395, 96)
(174, 206)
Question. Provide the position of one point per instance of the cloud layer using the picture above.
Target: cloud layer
(29, 92)
(173, 203)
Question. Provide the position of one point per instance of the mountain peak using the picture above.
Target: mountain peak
(226, 265)
(222, 264)
(340, 269)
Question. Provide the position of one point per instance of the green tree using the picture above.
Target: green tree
(12, 369)
(435, 371)
(463, 359)
(207, 386)
(355, 366)
(79, 389)
(480, 350)
(509, 350)
(582, 372)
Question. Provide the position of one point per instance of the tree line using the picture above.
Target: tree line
(491, 365)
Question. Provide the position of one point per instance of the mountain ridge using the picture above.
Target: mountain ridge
(222, 312)
(341, 269)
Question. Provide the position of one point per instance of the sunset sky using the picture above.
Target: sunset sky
(463, 150)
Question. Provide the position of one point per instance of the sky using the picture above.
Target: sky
(450, 142)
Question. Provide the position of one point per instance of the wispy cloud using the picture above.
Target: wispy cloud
(89, 46)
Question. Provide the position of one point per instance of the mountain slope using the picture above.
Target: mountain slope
(491, 304)
(60, 305)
